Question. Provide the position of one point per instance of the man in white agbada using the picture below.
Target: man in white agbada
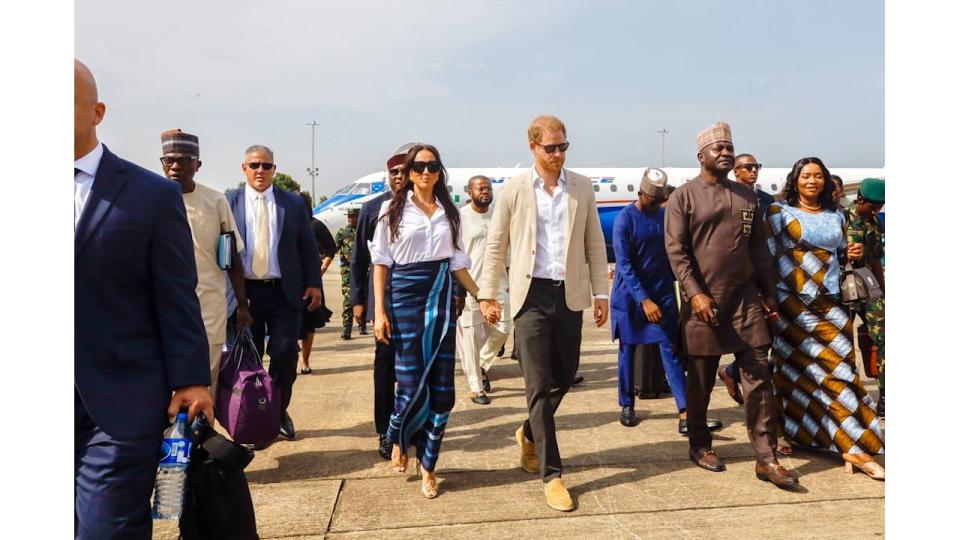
(477, 342)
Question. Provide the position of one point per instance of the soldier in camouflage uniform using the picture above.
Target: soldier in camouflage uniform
(344, 241)
(864, 225)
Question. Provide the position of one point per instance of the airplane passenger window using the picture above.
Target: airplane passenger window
(596, 187)
(629, 187)
(774, 186)
(613, 187)
(449, 188)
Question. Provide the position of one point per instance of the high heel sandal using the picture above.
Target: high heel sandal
(784, 448)
(869, 467)
(428, 486)
(399, 460)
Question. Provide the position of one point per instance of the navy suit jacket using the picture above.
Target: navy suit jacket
(137, 327)
(361, 275)
(297, 250)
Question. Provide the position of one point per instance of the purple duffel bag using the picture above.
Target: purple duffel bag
(248, 405)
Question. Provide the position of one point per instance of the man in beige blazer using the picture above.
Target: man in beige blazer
(547, 219)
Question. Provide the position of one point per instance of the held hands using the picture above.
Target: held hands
(854, 251)
(460, 302)
(652, 311)
(360, 314)
(702, 306)
(381, 328)
(195, 398)
(315, 296)
(491, 310)
(601, 309)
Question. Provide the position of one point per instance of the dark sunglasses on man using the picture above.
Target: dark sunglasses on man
(255, 165)
(420, 166)
(396, 171)
(168, 161)
(750, 166)
(551, 148)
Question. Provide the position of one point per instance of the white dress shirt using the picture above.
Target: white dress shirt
(83, 181)
(474, 227)
(250, 203)
(420, 238)
(550, 261)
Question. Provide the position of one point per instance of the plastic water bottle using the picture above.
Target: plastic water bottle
(172, 472)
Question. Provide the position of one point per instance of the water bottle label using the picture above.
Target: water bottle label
(175, 451)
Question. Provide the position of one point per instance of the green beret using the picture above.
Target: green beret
(353, 211)
(872, 190)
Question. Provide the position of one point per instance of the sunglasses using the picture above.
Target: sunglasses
(183, 161)
(255, 165)
(750, 166)
(430, 166)
(396, 171)
(551, 148)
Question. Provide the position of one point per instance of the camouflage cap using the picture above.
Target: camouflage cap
(872, 189)
(353, 211)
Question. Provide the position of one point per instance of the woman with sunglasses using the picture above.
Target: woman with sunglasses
(418, 249)
(815, 373)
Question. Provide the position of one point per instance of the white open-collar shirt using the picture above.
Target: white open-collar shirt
(83, 180)
(550, 261)
(420, 238)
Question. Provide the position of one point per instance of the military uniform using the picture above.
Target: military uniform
(344, 240)
(873, 312)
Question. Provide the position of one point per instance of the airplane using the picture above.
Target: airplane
(614, 189)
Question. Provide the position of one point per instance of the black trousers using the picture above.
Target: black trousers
(758, 400)
(274, 316)
(548, 334)
(384, 385)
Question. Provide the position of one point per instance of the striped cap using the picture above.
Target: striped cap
(175, 141)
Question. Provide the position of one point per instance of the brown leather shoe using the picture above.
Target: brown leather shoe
(558, 497)
(529, 461)
(777, 474)
(707, 459)
(732, 387)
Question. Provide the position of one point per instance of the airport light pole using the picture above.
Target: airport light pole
(313, 170)
(663, 147)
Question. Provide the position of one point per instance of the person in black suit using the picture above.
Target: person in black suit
(282, 265)
(361, 283)
(138, 332)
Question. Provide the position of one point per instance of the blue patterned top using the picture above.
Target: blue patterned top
(822, 230)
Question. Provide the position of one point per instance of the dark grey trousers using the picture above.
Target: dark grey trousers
(548, 336)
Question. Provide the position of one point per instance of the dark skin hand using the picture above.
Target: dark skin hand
(360, 314)
(315, 296)
(652, 311)
(460, 302)
(702, 307)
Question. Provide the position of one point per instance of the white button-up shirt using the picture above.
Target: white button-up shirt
(83, 181)
(420, 238)
(250, 203)
(550, 261)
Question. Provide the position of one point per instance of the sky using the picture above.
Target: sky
(793, 79)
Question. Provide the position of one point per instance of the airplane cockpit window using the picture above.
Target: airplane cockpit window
(361, 189)
(613, 187)
(345, 190)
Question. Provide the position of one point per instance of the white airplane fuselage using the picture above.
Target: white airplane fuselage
(614, 188)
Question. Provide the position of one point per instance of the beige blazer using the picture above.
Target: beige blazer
(514, 228)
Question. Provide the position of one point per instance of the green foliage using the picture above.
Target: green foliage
(282, 180)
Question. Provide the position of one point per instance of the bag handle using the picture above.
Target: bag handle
(244, 340)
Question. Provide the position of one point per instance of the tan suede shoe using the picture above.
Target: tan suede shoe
(558, 497)
(529, 461)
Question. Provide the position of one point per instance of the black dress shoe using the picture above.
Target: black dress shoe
(576, 380)
(286, 427)
(384, 448)
(346, 334)
(628, 417)
(706, 459)
(363, 330)
(485, 380)
(777, 475)
(712, 425)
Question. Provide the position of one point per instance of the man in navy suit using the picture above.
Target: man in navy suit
(138, 333)
(281, 264)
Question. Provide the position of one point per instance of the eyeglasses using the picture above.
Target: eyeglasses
(420, 166)
(255, 165)
(750, 166)
(183, 160)
(396, 171)
(551, 148)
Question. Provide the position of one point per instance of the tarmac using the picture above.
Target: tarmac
(626, 482)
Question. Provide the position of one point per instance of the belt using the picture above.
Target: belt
(265, 282)
(551, 282)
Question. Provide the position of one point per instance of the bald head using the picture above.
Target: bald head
(87, 110)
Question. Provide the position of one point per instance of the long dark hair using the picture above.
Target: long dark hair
(395, 213)
(791, 194)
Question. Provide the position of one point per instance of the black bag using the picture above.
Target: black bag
(649, 379)
(217, 504)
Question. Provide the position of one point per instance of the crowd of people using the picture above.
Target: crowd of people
(715, 267)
